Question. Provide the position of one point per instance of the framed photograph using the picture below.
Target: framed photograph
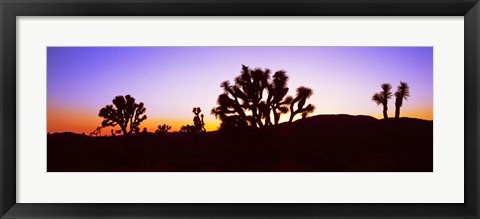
(239, 109)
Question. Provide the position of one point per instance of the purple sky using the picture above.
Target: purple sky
(172, 80)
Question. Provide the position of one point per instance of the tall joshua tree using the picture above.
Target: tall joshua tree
(125, 113)
(382, 98)
(241, 104)
(403, 92)
(254, 98)
(303, 93)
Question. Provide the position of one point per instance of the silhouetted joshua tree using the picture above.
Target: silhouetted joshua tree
(245, 95)
(162, 129)
(198, 120)
(403, 92)
(382, 98)
(198, 123)
(303, 93)
(125, 113)
(253, 99)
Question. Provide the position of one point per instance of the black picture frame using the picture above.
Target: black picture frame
(10, 9)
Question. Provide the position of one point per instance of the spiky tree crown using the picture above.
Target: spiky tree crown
(403, 91)
(125, 113)
(254, 97)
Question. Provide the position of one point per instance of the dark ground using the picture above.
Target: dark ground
(325, 143)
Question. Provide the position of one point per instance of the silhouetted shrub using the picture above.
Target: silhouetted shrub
(162, 130)
(188, 129)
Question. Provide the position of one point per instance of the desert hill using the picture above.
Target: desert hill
(323, 143)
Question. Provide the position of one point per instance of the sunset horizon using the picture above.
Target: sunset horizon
(170, 81)
(240, 109)
(209, 127)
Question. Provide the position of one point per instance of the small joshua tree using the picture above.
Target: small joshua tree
(198, 123)
(162, 129)
(125, 113)
(382, 98)
(403, 92)
(198, 120)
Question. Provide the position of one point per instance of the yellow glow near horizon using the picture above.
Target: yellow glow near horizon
(83, 123)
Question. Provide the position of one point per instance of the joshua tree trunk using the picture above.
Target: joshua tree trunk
(385, 115)
(397, 111)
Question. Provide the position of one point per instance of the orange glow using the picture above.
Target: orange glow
(66, 121)
(84, 122)
(419, 113)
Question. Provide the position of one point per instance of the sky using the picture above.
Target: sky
(170, 81)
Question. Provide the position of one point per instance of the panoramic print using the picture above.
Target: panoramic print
(240, 109)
